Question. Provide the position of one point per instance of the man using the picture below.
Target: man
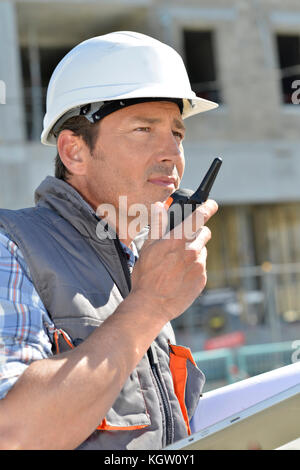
(90, 356)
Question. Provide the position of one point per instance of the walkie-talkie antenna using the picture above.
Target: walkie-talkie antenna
(202, 193)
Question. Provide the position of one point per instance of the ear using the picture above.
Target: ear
(72, 151)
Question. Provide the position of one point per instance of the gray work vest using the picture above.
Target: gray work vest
(81, 280)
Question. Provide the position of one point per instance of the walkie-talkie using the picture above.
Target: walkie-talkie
(184, 201)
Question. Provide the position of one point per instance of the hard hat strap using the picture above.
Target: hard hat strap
(94, 112)
(109, 107)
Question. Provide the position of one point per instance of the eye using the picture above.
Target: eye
(143, 129)
(178, 134)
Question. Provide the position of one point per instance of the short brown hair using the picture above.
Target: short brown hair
(80, 126)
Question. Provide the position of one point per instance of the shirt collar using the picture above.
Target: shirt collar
(132, 253)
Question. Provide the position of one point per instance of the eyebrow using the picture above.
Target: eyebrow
(149, 120)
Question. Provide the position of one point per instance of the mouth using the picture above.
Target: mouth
(166, 181)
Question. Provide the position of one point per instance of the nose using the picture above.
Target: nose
(170, 149)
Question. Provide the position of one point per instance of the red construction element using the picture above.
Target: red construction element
(229, 340)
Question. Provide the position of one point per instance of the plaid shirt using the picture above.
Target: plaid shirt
(25, 327)
(26, 330)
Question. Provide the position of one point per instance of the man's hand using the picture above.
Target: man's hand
(171, 270)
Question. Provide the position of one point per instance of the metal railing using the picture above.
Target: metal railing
(262, 301)
(226, 366)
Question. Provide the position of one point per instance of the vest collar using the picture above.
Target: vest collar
(61, 197)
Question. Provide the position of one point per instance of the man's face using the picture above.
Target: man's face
(138, 154)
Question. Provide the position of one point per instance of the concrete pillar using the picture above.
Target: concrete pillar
(12, 126)
(248, 73)
(36, 86)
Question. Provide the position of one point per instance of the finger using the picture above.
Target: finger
(200, 261)
(200, 216)
(208, 209)
(202, 258)
(200, 240)
(195, 221)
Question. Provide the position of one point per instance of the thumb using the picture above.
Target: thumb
(158, 221)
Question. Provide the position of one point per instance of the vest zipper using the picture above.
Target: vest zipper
(163, 394)
(152, 357)
(124, 263)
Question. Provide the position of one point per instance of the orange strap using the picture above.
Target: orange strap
(58, 332)
(168, 202)
(107, 427)
(178, 360)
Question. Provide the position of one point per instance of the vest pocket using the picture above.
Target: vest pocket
(129, 411)
(188, 381)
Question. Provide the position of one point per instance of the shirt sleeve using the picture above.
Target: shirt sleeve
(26, 330)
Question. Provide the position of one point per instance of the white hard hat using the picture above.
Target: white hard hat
(117, 66)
